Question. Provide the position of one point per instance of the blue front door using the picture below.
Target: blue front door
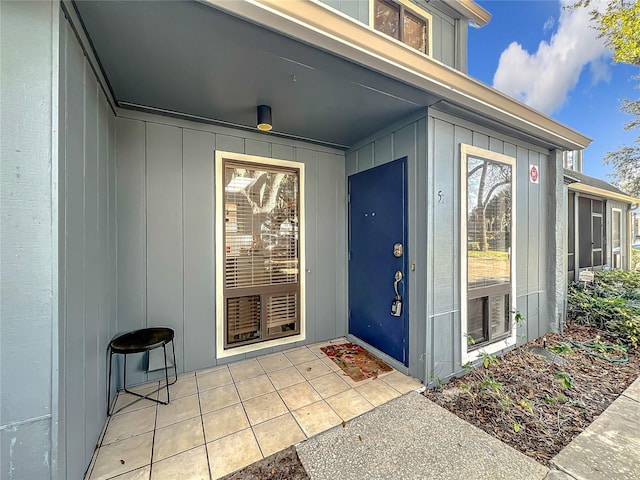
(378, 257)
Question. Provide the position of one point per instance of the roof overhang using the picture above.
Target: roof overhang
(582, 188)
(310, 22)
(470, 10)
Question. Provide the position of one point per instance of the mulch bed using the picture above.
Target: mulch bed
(284, 465)
(535, 405)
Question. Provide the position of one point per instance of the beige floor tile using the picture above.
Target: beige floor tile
(123, 456)
(401, 382)
(130, 424)
(177, 438)
(331, 364)
(349, 404)
(178, 410)
(298, 396)
(316, 418)
(276, 361)
(217, 398)
(377, 392)
(313, 369)
(145, 388)
(265, 407)
(278, 434)
(214, 379)
(224, 422)
(191, 464)
(233, 452)
(286, 377)
(254, 387)
(300, 355)
(125, 402)
(329, 385)
(139, 474)
(316, 349)
(244, 370)
(184, 387)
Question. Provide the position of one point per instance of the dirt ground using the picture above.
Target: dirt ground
(536, 405)
(524, 399)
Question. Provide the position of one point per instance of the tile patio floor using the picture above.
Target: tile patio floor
(224, 418)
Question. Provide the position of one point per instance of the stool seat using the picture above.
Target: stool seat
(140, 341)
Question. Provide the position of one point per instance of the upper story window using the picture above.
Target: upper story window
(401, 20)
(572, 160)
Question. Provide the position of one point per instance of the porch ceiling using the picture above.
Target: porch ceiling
(193, 59)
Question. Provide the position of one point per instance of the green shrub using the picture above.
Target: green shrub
(611, 302)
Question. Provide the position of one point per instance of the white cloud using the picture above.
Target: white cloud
(544, 78)
(549, 24)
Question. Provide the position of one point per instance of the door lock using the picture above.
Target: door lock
(397, 250)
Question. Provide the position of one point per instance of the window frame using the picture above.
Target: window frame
(224, 350)
(617, 211)
(470, 353)
(412, 9)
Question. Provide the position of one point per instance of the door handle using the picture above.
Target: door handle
(396, 305)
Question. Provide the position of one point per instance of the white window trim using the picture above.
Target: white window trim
(621, 236)
(420, 12)
(465, 152)
(220, 156)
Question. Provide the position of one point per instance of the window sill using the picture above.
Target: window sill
(232, 352)
(470, 356)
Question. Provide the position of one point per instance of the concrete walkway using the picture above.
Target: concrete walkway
(610, 447)
(413, 438)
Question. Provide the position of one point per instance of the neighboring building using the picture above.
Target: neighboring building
(599, 221)
(137, 191)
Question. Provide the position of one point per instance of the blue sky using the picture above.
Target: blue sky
(551, 59)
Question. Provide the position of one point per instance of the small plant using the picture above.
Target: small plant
(467, 389)
(488, 359)
(468, 367)
(489, 383)
(526, 404)
(565, 379)
(470, 340)
(549, 399)
(563, 348)
(561, 397)
(437, 380)
(505, 402)
(516, 427)
(518, 318)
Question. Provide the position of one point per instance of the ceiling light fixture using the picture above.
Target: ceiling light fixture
(264, 118)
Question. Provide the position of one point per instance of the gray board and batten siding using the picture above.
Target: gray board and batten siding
(434, 231)
(87, 253)
(166, 232)
(449, 35)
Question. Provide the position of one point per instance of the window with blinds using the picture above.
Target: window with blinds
(261, 252)
(406, 22)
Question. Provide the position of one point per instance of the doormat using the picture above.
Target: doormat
(355, 361)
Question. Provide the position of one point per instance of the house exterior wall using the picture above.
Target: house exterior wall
(28, 223)
(87, 254)
(449, 35)
(434, 232)
(166, 232)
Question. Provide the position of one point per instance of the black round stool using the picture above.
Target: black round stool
(140, 341)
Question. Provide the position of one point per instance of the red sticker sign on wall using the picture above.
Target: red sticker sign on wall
(534, 174)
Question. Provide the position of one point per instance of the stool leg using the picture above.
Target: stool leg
(175, 365)
(109, 383)
(166, 372)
